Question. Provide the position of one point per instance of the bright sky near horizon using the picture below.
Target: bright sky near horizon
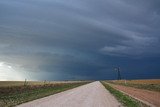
(8, 73)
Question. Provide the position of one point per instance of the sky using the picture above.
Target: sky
(79, 39)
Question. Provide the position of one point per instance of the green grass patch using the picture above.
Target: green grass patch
(124, 99)
(12, 96)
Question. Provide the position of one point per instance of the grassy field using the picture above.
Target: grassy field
(147, 81)
(152, 85)
(124, 99)
(21, 83)
(14, 93)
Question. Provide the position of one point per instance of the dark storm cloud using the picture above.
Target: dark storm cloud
(80, 39)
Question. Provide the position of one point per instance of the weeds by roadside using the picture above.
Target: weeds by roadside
(12, 96)
(124, 99)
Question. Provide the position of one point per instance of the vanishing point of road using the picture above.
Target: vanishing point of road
(89, 95)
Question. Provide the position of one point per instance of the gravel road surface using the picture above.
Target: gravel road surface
(90, 95)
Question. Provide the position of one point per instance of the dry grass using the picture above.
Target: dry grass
(152, 84)
(21, 83)
(148, 81)
(13, 93)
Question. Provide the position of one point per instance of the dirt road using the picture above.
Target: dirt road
(90, 95)
(149, 97)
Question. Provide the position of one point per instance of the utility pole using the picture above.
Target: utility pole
(119, 74)
(25, 82)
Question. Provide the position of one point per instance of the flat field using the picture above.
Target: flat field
(147, 81)
(148, 84)
(31, 83)
(13, 93)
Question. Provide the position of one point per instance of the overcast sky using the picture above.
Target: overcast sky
(79, 39)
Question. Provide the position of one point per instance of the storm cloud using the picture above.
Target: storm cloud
(80, 39)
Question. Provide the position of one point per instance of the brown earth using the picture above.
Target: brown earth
(150, 97)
